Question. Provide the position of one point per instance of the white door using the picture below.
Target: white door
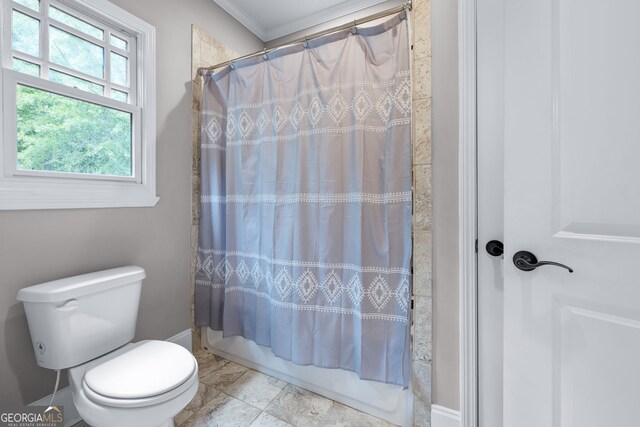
(572, 195)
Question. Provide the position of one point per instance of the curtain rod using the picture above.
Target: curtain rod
(404, 7)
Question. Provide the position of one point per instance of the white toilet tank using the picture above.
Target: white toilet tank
(79, 318)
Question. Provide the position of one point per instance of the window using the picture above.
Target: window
(78, 109)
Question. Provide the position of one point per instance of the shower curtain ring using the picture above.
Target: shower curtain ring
(305, 44)
(354, 30)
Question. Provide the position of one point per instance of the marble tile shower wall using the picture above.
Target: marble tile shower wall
(206, 51)
(422, 266)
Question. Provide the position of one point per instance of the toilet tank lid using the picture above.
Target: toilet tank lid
(78, 286)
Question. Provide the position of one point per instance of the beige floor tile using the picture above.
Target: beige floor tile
(203, 356)
(299, 407)
(224, 375)
(255, 388)
(208, 363)
(266, 420)
(203, 396)
(340, 415)
(183, 416)
(224, 411)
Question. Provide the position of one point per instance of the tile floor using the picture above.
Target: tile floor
(231, 395)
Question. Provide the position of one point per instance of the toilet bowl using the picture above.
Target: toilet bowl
(86, 324)
(141, 384)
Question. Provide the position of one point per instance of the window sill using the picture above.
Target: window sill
(44, 194)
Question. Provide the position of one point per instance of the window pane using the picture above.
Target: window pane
(25, 33)
(31, 4)
(119, 96)
(76, 53)
(119, 43)
(76, 23)
(61, 134)
(119, 69)
(26, 67)
(67, 80)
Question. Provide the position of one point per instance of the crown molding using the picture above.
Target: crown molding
(320, 17)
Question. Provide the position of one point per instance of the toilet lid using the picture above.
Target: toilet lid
(150, 369)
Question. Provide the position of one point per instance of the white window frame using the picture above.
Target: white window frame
(21, 190)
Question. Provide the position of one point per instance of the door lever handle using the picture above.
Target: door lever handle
(526, 261)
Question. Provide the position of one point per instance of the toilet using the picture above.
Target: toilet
(86, 324)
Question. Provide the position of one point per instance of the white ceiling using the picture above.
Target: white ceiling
(270, 19)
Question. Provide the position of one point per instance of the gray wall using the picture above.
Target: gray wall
(445, 202)
(37, 246)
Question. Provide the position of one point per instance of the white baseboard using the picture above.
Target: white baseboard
(184, 339)
(444, 417)
(65, 399)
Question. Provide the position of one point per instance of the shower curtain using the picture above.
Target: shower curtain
(305, 220)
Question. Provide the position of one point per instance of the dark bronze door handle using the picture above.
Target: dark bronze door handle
(526, 261)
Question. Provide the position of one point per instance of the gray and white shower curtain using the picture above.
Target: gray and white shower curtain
(305, 220)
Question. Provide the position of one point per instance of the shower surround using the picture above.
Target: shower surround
(207, 51)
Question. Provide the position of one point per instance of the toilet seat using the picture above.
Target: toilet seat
(148, 373)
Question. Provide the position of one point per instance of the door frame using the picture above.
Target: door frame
(468, 215)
